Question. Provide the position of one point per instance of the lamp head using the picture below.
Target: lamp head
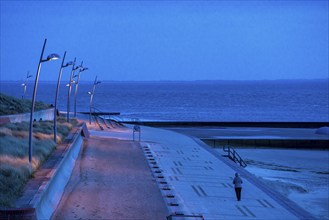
(83, 69)
(53, 56)
(68, 64)
(98, 82)
(77, 67)
(89, 93)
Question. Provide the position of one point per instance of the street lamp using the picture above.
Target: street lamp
(57, 90)
(91, 97)
(49, 58)
(76, 88)
(69, 90)
(25, 84)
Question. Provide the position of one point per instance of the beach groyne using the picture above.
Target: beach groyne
(230, 124)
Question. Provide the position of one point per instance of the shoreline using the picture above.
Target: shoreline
(285, 171)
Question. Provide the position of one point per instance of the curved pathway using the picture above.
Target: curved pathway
(111, 180)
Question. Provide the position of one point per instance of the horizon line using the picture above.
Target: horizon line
(197, 80)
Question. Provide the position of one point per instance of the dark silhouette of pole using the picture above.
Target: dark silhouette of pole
(91, 97)
(57, 91)
(76, 88)
(49, 58)
(25, 84)
(70, 88)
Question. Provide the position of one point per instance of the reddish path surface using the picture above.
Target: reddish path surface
(111, 180)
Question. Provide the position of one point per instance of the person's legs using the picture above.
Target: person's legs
(239, 192)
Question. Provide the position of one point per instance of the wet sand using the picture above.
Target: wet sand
(111, 180)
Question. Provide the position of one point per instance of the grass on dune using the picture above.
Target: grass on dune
(15, 169)
(10, 105)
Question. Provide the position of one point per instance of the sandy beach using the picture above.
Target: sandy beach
(300, 175)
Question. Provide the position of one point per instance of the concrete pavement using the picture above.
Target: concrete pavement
(202, 181)
(195, 181)
(111, 180)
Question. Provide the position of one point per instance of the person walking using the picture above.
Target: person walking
(237, 181)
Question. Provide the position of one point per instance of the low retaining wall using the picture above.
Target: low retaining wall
(41, 115)
(44, 191)
(276, 143)
(230, 124)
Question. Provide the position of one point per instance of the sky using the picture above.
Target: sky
(167, 40)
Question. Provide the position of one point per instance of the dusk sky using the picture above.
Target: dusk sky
(167, 40)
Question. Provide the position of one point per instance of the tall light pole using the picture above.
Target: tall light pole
(76, 88)
(69, 90)
(57, 91)
(91, 97)
(25, 84)
(49, 58)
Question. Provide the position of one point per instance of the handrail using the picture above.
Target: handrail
(233, 155)
(97, 116)
(97, 113)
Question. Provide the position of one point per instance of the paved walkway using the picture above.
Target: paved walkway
(192, 179)
(111, 180)
(202, 181)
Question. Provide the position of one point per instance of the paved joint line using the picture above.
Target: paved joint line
(224, 184)
(265, 203)
(203, 192)
(268, 203)
(179, 171)
(245, 211)
(241, 210)
(248, 210)
(196, 190)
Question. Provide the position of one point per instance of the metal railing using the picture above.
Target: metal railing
(233, 155)
(103, 119)
(98, 116)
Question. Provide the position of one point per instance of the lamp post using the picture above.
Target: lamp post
(91, 97)
(69, 90)
(76, 87)
(25, 84)
(49, 58)
(57, 90)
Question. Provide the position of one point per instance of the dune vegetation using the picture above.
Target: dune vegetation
(10, 105)
(15, 169)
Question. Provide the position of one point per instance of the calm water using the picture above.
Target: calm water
(292, 100)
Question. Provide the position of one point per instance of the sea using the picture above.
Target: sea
(206, 101)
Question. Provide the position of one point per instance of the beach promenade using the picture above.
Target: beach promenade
(111, 180)
(185, 179)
